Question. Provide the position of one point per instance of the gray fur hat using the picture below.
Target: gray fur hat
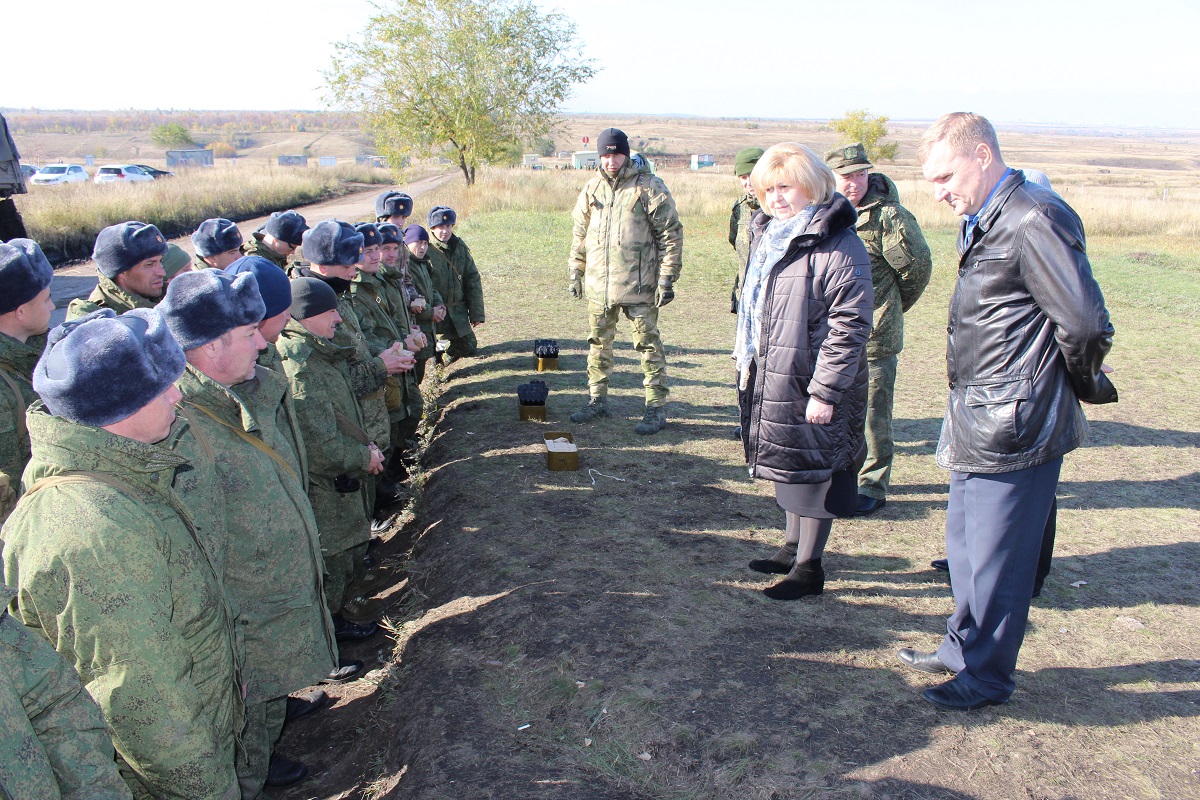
(311, 296)
(24, 273)
(286, 226)
(442, 215)
(216, 236)
(369, 232)
(101, 368)
(273, 283)
(390, 204)
(205, 305)
(333, 243)
(391, 233)
(123, 246)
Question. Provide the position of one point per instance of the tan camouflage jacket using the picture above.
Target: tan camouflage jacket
(53, 743)
(107, 295)
(111, 574)
(739, 239)
(626, 237)
(319, 373)
(272, 556)
(900, 262)
(17, 360)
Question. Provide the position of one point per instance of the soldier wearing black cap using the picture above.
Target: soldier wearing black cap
(626, 254)
(278, 238)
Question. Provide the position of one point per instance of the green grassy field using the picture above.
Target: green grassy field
(596, 634)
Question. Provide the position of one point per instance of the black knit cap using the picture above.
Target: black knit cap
(310, 297)
(612, 140)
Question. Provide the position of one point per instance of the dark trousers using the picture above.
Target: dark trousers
(994, 532)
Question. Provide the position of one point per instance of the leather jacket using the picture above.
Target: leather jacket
(1028, 333)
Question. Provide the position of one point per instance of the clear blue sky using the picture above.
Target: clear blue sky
(1088, 63)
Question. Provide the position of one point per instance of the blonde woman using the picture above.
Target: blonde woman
(801, 357)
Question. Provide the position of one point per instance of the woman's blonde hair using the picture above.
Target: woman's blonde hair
(794, 164)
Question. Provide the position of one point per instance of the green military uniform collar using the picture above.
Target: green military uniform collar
(21, 357)
(201, 390)
(108, 295)
(317, 346)
(256, 247)
(751, 200)
(880, 189)
(60, 445)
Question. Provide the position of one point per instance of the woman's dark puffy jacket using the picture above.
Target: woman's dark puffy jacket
(815, 324)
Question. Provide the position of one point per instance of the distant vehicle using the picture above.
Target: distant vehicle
(28, 171)
(122, 173)
(54, 174)
(154, 172)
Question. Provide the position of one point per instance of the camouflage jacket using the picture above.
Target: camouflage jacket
(460, 287)
(269, 358)
(111, 574)
(900, 262)
(319, 371)
(17, 360)
(53, 743)
(108, 295)
(739, 239)
(626, 237)
(272, 554)
(254, 247)
(383, 317)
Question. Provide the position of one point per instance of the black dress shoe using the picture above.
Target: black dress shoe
(346, 631)
(305, 704)
(868, 505)
(954, 695)
(345, 671)
(941, 564)
(282, 771)
(737, 432)
(924, 662)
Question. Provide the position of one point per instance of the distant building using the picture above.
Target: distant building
(189, 158)
(585, 159)
(370, 161)
(530, 160)
(293, 161)
(327, 161)
(702, 160)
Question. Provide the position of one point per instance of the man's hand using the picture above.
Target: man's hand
(439, 313)
(396, 359)
(818, 412)
(376, 466)
(415, 340)
(664, 295)
(575, 287)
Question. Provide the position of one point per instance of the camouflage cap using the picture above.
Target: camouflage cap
(846, 159)
(746, 158)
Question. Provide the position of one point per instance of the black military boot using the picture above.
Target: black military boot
(653, 421)
(596, 407)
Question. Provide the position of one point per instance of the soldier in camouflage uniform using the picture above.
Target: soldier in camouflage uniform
(128, 257)
(109, 566)
(457, 280)
(218, 243)
(900, 268)
(740, 216)
(382, 310)
(396, 271)
(626, 254)
(25, 308)
(54, 743)
(343, 456)
(431, 309)
(278, 238)
(243, 414)
(276, 293)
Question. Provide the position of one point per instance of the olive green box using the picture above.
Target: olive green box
(558, 461)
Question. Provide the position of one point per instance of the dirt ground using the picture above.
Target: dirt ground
(595, 634)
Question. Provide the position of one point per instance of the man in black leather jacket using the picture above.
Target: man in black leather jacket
(1028, 333)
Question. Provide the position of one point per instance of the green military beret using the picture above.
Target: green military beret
(848, 158)
(746, 159)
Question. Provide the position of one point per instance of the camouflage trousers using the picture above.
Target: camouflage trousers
(643, 320)
(341, 570)
(876, 474)
(264, 724)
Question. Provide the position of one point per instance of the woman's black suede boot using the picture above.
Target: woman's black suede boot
(778, 564)
(806, 578)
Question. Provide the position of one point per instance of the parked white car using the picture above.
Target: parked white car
(122, 173)
(54, 174)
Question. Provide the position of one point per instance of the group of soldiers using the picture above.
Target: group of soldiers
(191, 466)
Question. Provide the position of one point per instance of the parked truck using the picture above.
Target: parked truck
(11, 182)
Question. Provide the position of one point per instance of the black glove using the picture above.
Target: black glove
(664, 295)
(575, 287)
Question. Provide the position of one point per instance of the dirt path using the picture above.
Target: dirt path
(78, 280)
